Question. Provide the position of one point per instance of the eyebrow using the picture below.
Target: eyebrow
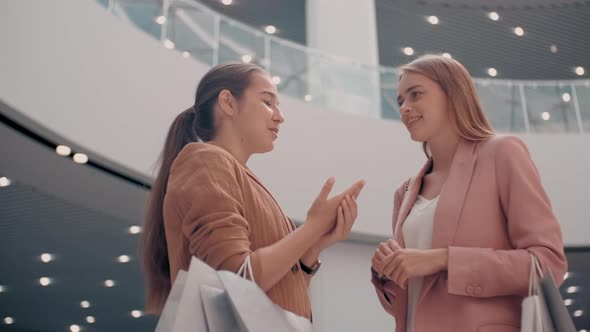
(399, 97)
(271, 94)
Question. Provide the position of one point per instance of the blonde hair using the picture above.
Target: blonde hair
(466, 113)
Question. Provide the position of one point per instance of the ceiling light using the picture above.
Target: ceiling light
(44, 281)
(553, 48)
(2, 289)
(134, 229)
(109, 283)
(408, 50)
(546, 116)
(492, 72)
(432, 19)
(169, 44)
(568, 302)
(186, 54)
(46, 258)
(580, 71)
(276, 80)
(270, 29)
(4, 182)
(307, 98)
(578, 313)
(160, 19)
(80, 158)
(567, 275)
(246, 58)
(85, 304)
(123, 259)
(573, 289)
(566, 97)
(493, 16)
(519, 31)
(8, 320)
(90, 320)
(63, 150)
(74, 328)
(447, 55)
(583, 331)
(227, 2)
(136, 313)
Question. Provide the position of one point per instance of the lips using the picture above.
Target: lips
(275, 131)
(412, 121)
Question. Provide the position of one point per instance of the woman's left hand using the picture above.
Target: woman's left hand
(404, 264)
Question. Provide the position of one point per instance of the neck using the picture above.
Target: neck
(234, 146)
(443, 150)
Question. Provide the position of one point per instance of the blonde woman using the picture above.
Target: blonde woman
(464, 225)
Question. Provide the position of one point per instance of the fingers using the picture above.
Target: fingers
(356, 188)
(393, 244)
(385, 249)
(326, 189)
(340, 222)
(349, 216)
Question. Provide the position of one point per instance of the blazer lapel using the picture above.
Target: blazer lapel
(408, 201)
(450, 204)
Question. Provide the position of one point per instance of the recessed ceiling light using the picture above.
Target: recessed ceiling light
(45, 281)
(227, 2)
(568, 302)
(566, 97)
(546, 116)
(580, 71)
(519, 31)
(567, 275)
(85, 304)
(493, 16)
(63, 150)
(8, 320)
(276, 80)
(123, 259)
(246, 58)
(553, 48)
(270, 29)
(492, 72)
(46, 258)
(109, 283)
(90, 320)
(136, 313)
(186, 54)
(4, 182)
(307, 98)
(447, 55)
(2, 289)
(432, 19)
(74, 328)
(160, 19)
(169, 44)
(408, 50)
(578, 313)
(80, 158)
(573, 289)
(134, 229)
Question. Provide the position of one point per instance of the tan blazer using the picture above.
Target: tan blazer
(492, 212)
(219, 211)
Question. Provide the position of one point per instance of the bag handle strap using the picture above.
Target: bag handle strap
(246, 269)
(535, 273)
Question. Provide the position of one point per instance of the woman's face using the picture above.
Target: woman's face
(423, 107)
(258, 118)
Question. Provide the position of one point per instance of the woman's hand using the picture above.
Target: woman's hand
(346, 216)
(385, 249)
(404, 264)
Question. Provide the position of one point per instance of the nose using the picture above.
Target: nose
(278, 117)
(404, 109)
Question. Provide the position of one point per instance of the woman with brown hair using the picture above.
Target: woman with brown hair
(465, 226)
(206, 202)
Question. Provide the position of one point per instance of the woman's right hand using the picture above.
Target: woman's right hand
(323, 212)
(385, 249)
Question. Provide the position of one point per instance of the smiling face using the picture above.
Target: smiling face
(423, 107)
(258, 118)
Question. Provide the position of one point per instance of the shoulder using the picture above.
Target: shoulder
(502, 147)
(202, 155)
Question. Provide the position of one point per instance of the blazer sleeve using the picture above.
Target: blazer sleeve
(213, 209)
(387, 290)
(531, 226)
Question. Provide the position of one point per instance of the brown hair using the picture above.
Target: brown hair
(193, 125)
(465, 108)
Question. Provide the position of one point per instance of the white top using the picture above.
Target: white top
(417, 234)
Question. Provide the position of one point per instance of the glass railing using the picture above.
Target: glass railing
(337, 83)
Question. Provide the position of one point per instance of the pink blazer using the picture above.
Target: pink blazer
(491, 213)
